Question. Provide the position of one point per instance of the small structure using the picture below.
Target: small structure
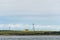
(26, 30)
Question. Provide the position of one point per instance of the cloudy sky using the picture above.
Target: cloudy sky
(20, 14)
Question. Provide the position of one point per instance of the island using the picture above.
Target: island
(18, 32)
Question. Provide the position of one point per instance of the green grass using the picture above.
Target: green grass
(14, 32)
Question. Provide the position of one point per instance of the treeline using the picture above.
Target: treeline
(13, 32)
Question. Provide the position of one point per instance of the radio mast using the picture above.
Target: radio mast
(33, 27)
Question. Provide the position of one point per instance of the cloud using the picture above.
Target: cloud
(30, 27)
(29, 11)
(29, 7)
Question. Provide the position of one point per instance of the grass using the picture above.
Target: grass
(14, 32)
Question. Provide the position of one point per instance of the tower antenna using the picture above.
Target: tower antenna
(33, 27)
(9, 27)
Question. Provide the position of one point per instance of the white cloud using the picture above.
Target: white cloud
(29, 7)
(29, 10)
(30, 27)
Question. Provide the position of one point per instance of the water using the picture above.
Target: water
(29, 37)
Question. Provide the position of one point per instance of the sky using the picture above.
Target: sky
(21, 14)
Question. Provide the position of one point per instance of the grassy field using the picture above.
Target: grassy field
(15, 32)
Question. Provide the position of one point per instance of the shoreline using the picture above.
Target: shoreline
(29, 35)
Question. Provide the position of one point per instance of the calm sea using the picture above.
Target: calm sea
(29, 37)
